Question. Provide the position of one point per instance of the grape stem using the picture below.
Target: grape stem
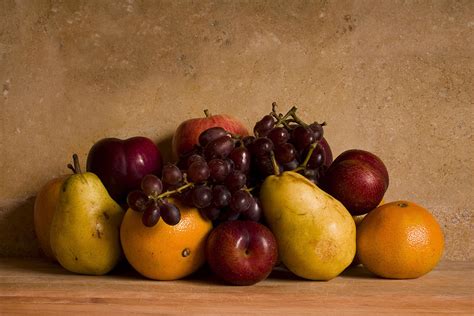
(178, 190)
(276, 169)
(207, 113)
(77, 167)
(306, 159)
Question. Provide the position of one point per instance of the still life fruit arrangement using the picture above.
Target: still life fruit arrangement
(240, 203)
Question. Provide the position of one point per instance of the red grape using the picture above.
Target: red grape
(220, 196)
(235, 180)
(198, 172)
(278, 135)
(318, 131)
(285, 153)
(261, 146)
(137, 200)
(218, 169)
(170, 213)
(263, 126)
(240, 201)
(151, 185)
(254, 211)
(241, 158)
(151, 216)
(219, 148)
(302, 137)
(211, 212)
(210, 135)
(171, 174)
(202, 196)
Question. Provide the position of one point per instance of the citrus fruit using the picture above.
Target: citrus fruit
(165, 252)
(399, 240)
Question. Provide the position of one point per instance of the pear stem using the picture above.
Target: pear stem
(276, 169)
(77, 167)
(207, 113)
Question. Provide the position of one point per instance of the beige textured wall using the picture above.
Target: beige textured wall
(391, 77)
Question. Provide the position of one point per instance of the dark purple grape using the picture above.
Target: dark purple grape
(240, 201)
(247, 140)
(261, 146)
(202, 196)
(151, 215)
(263, 126)
(137, 200)
(219, 148)
(241, 158)
(193, 158)
(285, 153)
(292, 165)
(220, 196)
(317, 157)
(170, 213)
(218, 169)
(311, 175)
(151, 185)
(235, 180)
(210, 135)
(227, 214)
(302, 137)
(186, 197)
(211, 212)
(229, 165)
(198, 172)
(265, 167)
(279, 135)
(171, 174)
(318, 130)
(254, 212)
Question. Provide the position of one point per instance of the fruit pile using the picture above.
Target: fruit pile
(239, 202)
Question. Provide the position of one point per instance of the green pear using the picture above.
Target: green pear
(315, 233)
(85, 228)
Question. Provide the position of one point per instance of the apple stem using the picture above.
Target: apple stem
(77, 167)
(276, 169)
(207, 113)
(308, 156)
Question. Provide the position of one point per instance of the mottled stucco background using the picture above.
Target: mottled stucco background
(391, 77)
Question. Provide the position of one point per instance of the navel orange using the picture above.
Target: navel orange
(399, 240)
(165, 252)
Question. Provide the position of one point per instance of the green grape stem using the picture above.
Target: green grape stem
(306, 159)
(169, 193)
(276, 169)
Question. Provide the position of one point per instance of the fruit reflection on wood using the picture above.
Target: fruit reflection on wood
(235, 200)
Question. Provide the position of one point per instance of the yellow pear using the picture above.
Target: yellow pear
(85, 227)
(315, 233)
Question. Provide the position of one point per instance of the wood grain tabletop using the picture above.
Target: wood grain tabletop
(35, 286)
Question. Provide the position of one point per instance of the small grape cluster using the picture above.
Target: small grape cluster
(213, 178)
(285, 142)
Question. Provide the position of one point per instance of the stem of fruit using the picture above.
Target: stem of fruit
(308, 156)
(298, 120)
(276, 169)
(77, 167)
(178, 190)
(207, 113)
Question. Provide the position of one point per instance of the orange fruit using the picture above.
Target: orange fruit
(399, 240)
(165, 252)
(45, 205)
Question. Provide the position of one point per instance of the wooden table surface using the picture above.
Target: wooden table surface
(37, 286)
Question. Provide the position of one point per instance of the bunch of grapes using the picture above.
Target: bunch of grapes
(285, 142)
(214, 178)
(221, 176)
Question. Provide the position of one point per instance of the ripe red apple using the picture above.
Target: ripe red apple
(241, 252)
(187, 133)
(358, 179)
(121, 164)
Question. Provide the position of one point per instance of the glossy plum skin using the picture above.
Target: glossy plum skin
(358, 179)
(121, 164)
(187, 133)
(241, 252)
